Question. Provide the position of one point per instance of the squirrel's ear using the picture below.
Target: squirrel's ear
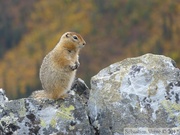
(67, 35)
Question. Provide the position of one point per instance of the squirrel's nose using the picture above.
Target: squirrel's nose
(84, 43)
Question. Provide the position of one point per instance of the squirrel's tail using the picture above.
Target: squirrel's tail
(39, 94)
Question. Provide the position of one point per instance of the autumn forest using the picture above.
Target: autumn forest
(113, 30)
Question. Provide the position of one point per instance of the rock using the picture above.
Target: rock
(142, 92)
(56, 117)
(81, 89)
(3, 97)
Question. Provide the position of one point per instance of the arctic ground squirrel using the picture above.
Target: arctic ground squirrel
(59, 66)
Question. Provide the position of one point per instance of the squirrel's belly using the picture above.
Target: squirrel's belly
(59, 81)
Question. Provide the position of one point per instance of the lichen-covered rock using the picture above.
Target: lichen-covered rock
(136, 92)
(3, 97)
(57, 117)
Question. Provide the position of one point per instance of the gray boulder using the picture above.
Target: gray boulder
(3, 97)
(61, 117)
(142, 92)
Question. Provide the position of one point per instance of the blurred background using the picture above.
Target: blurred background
(114, 30)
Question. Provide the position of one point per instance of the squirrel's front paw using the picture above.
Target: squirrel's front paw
(75, 66)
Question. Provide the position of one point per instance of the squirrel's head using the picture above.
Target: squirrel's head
(73, 39)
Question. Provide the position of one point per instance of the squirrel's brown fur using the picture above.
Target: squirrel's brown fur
(58, 68)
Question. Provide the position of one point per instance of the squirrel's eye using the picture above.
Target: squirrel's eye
(75, 37)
